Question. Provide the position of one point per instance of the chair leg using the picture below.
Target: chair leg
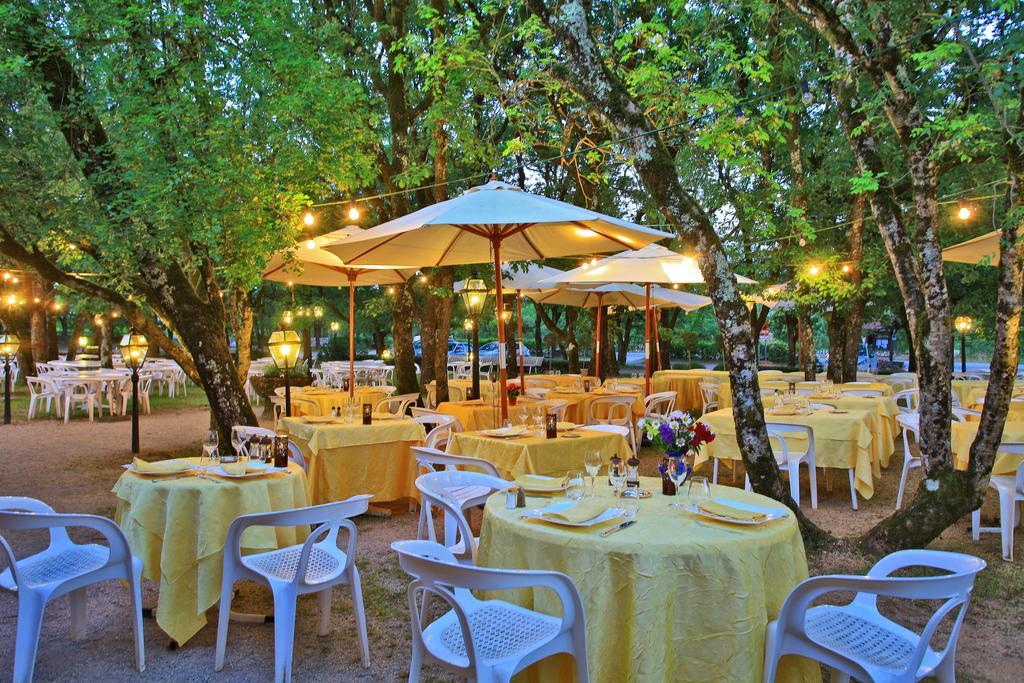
(771, 660)
(853, 490)
(714, 470)
(794, 481)
(284, 634)
(415, 662)
(30, 620)
(903, 483)
(812, 473)
(135, 586)
(976, 525)
(227, 585)
(357, 607)
(79, 616)
(324, 603)
(1006, 520)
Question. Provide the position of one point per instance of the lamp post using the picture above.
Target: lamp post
(285, 348)
(318, 314)
(134, 348)
(963, 325)
(9, 344)
(474, 295)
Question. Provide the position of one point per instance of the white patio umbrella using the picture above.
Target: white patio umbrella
(618, 294)
(984, 248)
(494, 222)
(651, 265)
(311, 264)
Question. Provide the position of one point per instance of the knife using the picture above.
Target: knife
(609, 532)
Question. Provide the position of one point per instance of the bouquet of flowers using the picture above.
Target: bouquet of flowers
(512, 392)
(677, 434)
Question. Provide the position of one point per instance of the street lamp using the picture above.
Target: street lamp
(963, 325)
(9, 344)
(285, 348)
(134, 348)
(474, 295)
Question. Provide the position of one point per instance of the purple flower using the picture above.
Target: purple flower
(666, 433)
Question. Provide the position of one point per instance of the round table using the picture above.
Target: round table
(177, 527)
(672, 598)
(326, 399)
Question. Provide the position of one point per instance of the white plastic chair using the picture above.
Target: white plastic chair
(1011, 492)
(435, 487)
(315, 566)
(396, 405)
(78, 394)
(486, 640)
(541, 383)
(962, 414)
(614, 429)
(911, 424)
(554, 407)
(709, 397)
(42, 390)
(64, 568)
(145, 384)
(434, 460)
(659, 404)
(856, 640)
(789, 459)
(907, 401)
(620, 412)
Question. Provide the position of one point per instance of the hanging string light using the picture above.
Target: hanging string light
(308, 219)
(965, 212)
(353, 212)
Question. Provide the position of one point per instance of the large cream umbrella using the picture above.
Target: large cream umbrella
(980, 249)
(618, 294)
(311, 264)
(494, 222)
(528, 280)
(651, 265)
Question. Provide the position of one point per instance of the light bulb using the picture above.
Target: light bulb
(593, 261)
(353, 213)
(814, 270)
(585, 266)
(7, 276)
(846, 268)
(308, 218)
(423, 278)
(964, 213)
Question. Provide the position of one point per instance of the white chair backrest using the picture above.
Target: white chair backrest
(962, 414)
(660, 404)
(910, 421)
(779, 432)
(620, 410)
(908, 400)
(541, 383)
(432, 459)
(554, 407)
(396, 405)
(614, 429)
(1016, 448)
(433, 487)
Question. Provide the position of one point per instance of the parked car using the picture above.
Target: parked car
(489, 351)
(453, 346)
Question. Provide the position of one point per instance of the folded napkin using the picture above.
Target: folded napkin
(729, 512)
(239, 468)
(534, 482)
(565, 426)
(472, 402)
(583, 511)
(784, 410)
(509, 431)
(161, 467)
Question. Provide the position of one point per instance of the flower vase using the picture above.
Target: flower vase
(512, 400)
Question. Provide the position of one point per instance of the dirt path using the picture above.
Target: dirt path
(73, 467)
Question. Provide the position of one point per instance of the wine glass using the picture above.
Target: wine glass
(577, 486)
(210, 442)
(677, 472)
(237, 441)
(699, 491)
(592, 461)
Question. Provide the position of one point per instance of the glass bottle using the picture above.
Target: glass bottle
(632, 477)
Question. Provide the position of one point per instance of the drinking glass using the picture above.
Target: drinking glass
(699, 491)
(592, 461)
(210, 442)
(617, 476)
(677, 471)
(577, 485)
(237, 440)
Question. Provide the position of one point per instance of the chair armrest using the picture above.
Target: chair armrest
(111, 532)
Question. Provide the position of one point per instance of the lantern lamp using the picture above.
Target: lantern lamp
(286, 349)
(134, 349)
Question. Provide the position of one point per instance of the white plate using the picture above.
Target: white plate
(263, 470)
(131, 468)
(317, 419)
(502, 434)
(564, 486)
(772, 513)
(607, 515)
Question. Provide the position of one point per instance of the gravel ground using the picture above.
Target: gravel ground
(73, 467)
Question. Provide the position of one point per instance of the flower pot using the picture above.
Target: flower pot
(512, 400)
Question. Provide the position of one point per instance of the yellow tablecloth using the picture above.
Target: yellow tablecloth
(537, 454)
(669, 599)
(883, 411)
(328, 398)
(564, 380)
(840, 440)
(635, 381)
(686, 384)
(475, 416)
(346, 459)
(178, 528)
(963, 388)
(578, 409)
(871, 386)
(976, 400)
(962, 436)
(486, 388)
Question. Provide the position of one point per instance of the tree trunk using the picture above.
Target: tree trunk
(805, 335)
(52, 347)
(77, 328)
(837, 331)
(443, 280)
(791, 339)
(401, 334)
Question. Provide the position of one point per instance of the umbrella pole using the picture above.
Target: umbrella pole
(657, 339)
(351, 336)
(519, 322)
(647, 340)
(502, 372)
